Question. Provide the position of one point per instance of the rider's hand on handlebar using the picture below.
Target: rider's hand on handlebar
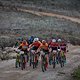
(38, 50)
(50, 50)
(28, 49)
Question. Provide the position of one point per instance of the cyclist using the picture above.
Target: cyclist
(23, 47)
(43, 61)
(31, 39)
(45, 49)
(34, 48)
(53, 46)
(63, 47)
(22, 60)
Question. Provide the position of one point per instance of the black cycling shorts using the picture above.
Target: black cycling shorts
(54, 48)
(34, 48)
(46, 51)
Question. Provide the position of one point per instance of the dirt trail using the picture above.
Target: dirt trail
(73, 19)
(9, 72)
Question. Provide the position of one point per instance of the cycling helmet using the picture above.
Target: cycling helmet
(53, 40)
(43, 41)
(36, 39)
(59, 40)
(24, 41)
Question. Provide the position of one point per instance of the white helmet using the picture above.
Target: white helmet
(53, 40)
(59, 40)
(36, 39)
(43, 41)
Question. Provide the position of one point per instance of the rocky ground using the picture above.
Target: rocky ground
(9, 72)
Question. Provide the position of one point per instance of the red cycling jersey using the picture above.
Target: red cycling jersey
(53, 44)
(36, 44)
(63, 46)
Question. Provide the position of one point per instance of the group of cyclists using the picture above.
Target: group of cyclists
(35, 52)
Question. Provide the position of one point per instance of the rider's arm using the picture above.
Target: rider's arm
(39, 47)
(20, 46)
(31, 45)
(27, 44)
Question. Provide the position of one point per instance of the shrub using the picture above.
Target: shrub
(76, 74)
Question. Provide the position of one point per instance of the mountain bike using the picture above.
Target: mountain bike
(43, 61)
(34, 59)
(61, 59)
(22, 59)
(54, 52)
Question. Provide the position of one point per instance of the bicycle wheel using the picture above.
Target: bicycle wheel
(33, 61)
(30, 63)
(23, 62)
(16, 64)
(62, 61)
(22, 66)
(54, 64)
(43, 66)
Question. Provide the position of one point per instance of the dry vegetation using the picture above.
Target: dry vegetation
(13, 23)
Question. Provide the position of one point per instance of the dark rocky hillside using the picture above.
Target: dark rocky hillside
(66, 7)
(54, 4)
(13, 22)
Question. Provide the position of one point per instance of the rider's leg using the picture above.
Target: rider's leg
(49, 61)
(19, 64)
(16, 64)
(64, 58)
(30, 58)
(42, 67)
(27, 57)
